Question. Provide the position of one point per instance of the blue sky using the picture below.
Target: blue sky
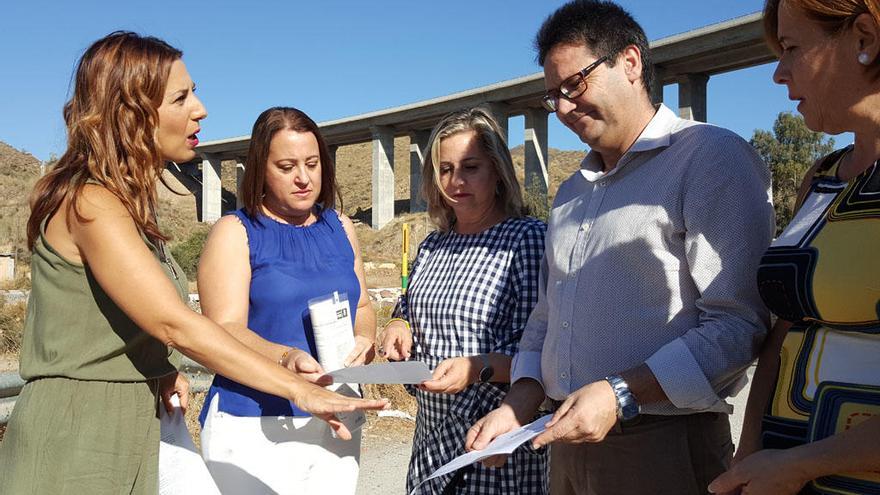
(331, 58)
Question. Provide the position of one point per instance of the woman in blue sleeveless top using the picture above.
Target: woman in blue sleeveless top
(260, 267)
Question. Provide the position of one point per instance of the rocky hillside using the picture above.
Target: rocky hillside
(18, 173)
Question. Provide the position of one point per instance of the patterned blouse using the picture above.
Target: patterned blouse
(823, 274)
(471, 294)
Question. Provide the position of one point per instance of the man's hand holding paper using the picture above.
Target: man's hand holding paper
(501, 446)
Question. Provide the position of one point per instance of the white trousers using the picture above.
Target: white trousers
(285, 455)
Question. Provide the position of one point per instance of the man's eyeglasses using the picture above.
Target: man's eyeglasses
(570, 88)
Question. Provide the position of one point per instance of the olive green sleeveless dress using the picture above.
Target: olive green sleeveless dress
(86, 421)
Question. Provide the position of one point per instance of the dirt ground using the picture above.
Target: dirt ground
(385, 449)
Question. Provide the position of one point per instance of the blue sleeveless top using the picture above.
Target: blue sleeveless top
(289, 266)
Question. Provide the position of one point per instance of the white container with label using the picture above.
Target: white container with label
(334, 341)
(331, 322)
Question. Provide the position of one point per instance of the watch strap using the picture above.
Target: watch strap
(627, 406)
(487, 371)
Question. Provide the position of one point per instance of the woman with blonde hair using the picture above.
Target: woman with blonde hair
(106, 313)
(813, 417)
(472, 287)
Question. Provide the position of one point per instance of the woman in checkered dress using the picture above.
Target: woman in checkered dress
(472, 287)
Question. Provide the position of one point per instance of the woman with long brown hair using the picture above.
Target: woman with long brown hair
(812, 422)
(107, 310)
(260, 271)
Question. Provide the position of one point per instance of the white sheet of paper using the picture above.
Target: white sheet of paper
(505, 444)
(353, 420)
(406, 372)
(181, 468)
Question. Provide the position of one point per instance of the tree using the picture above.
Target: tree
(790, 150)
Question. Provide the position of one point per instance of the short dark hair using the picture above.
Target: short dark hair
(604, 27)
(267, 125)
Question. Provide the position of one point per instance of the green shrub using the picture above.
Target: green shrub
(536, 201)
(188, 251)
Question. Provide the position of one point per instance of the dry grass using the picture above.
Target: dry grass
(196, 401)
(396, 394)
(385, 245)
(11, 328)
(22, 280)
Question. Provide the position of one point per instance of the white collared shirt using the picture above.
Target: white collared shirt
(654, 262)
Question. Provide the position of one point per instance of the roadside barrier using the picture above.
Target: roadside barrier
(11, 384)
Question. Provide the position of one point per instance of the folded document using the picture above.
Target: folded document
(504, 444)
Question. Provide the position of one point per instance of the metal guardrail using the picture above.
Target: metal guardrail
(11, 383)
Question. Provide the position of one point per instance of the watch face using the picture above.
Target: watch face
(629, 411)
(486, 374)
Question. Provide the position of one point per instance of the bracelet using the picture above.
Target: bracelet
(399, 319)
(284, 356)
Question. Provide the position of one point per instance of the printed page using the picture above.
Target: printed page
(181, 468)
(505, 444)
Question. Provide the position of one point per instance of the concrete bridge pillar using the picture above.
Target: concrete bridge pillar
(383, 175)
(211, 189)
(692, 96)
(657, 86)
(239, 176)
(536, 158)
(501, 113)
(418, 149)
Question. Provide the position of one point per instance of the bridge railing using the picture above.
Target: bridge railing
(11, 385)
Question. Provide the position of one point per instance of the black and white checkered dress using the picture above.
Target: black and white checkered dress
(471, 294)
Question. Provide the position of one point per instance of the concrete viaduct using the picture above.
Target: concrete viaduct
(686, 59)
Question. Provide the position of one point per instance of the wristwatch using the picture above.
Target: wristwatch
(487, 371)
(627, 407)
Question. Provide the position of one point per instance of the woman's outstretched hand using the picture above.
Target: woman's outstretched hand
(325, 404)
